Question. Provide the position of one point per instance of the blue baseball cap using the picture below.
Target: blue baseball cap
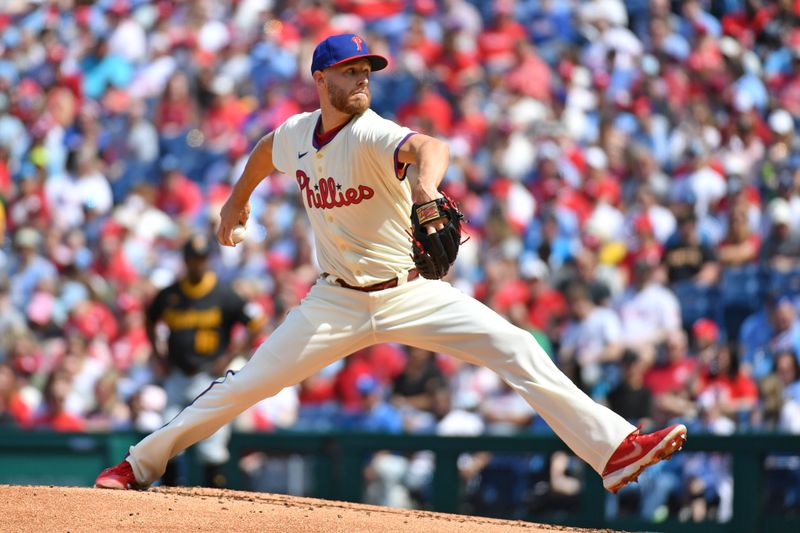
(337, 49)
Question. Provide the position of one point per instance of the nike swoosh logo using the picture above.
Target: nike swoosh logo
(299, 155)
(637, 451)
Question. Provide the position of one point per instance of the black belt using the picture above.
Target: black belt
(412, 274)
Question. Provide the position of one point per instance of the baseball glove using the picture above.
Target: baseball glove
(433, 253)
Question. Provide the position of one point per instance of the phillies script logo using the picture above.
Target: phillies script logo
(358, 41)
(328, 194)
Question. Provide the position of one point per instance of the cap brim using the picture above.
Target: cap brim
(377, 62)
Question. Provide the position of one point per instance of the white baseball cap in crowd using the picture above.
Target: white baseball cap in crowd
(532, 267)
(779, 212)
(27, 238)
(780, 121)
(596, 157)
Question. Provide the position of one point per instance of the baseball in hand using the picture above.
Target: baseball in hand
(237, 235)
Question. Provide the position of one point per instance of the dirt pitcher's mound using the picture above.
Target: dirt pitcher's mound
(69, 509)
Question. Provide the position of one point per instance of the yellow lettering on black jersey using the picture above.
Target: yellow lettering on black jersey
(193, 318)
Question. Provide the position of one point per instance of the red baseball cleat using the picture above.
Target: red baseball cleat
(118, 477)
(638, 451)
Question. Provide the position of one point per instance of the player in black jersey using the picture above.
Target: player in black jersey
(198, 313)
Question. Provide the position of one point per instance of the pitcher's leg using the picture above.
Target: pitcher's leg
(181, 390)
(311, 337)
(438, 317)
(212, 453)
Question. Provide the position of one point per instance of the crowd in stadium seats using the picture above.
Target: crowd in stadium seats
(630, 171)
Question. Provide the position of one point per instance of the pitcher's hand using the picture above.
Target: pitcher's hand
(231, 216)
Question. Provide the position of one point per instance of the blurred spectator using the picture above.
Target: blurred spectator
(110, 412)
(345, 386)
(374, 413)
(53, 414)
(644, 247)
(13, 410)
(780, 388)
(176, 111)
(83, 188)
(631, 399)
(414, 390)
(505, 412)
(178, 196)
(29, 268)
(687, 257)
(725, 393)
(131, 348)
(586, 272)
(781, 247)
(146, 407)
(672, 379)
(12, 321)
(707, 489)
(741, 245)
(699, 182)
(497, 39)
(648, 311)
(546, 307)
(276, 412)
(592, 342)
(774, 328)
(31, 206)
(705, 336)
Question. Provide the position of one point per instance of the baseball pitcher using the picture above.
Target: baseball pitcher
(376, 286)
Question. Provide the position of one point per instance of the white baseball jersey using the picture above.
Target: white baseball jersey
(355, 192)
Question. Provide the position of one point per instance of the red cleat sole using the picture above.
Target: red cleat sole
(669, 445)
(110, 484)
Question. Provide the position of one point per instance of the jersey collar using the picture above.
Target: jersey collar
(321, 139)
(195, 291)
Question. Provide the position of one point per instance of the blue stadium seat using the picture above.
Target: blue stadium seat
(696, 302)
(779, 282)
(742, 291)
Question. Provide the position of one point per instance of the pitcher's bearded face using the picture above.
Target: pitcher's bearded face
(348, 87)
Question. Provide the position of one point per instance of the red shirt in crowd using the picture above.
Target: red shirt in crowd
(371, 9)
(117, 269)
(91, 319)
(316, 390)
(531, 77)
(455, 67)
(428, 106)
(29, 209)
(19, 410)
(546, 310)
(63, 422)
(179, 196)
(5, 180)
(174, 116)
(496, 42)
(738, 387)
(127, 346)
(671, 377)
(346, 383)
(426, 49)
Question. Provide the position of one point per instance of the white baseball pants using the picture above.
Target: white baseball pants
(181, 390)
(332, 322)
